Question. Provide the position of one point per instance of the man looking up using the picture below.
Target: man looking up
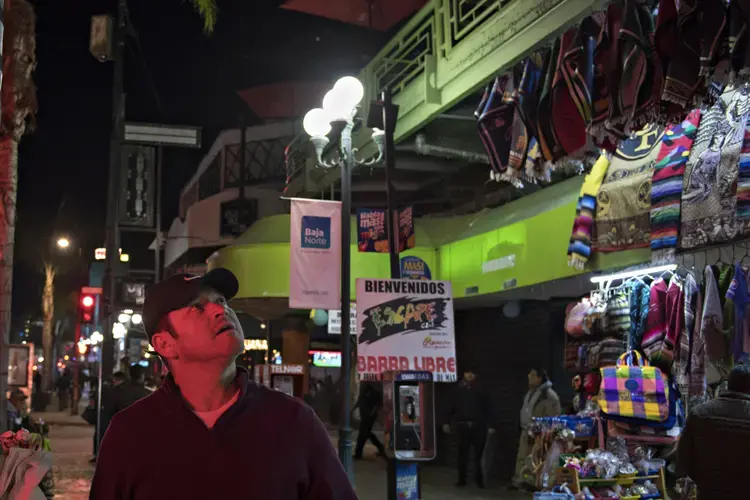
(208, 431)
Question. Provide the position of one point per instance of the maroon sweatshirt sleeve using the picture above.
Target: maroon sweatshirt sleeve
(110, 477)
(327, 478)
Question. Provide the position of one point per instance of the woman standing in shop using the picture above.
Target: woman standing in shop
(540, 401)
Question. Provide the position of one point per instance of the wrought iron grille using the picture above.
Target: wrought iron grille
(465, 16)
(406, 59)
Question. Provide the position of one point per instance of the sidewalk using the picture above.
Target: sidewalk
(72, 441)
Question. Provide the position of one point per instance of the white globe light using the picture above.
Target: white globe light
(316, 123)
(350, 89)
(338, 105)
(123, 318)
(137, 319)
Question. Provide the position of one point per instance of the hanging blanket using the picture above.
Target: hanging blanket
(709, 199)
(682, 80)
(495, 124)
(743, 182)
(624, 200)
(546, 132)
(579, 250)
(666, 187)
(638, 71)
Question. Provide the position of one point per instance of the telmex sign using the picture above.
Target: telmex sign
(287, 369)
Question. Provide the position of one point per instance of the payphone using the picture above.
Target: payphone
(409, 400)
(289, 379)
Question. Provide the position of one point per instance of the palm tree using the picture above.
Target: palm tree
(48, 315)
(207, 10)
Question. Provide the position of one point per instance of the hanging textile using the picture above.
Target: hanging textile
(605, 83)
(743, 181)
(665, 321)
(546, 134)
(683, 57)
(712, 321)
(579, 249)
(696, 347)
(495, 122)
(709, 201)
(738, 295)
(623, 204)
(639, 303)
(639, 73)
(666, 187)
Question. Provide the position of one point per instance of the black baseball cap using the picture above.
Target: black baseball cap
(180, 290)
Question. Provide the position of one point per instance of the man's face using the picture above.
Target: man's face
(207, 329)
(534, 379)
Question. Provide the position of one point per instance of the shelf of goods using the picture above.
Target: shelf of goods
(569, 476)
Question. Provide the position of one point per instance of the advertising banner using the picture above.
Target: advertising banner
(406, 238)
(334, 320)
(372, 233)
(405, 325)
(315, 255)
(414, 268)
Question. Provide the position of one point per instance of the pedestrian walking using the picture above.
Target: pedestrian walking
(472, 418)
(63, 386)
(712, 450)
(540, 401)
(209, 431)
(369, 402)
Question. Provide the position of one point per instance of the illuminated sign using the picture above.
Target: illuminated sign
(256, 345)
(287, 369)
(326, 359)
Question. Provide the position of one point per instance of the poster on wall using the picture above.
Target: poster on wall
(414, 268)
(18, 365)
(405, 325)
(315, 254)
(372, 232)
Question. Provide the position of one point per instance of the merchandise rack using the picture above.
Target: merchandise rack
(569, 476)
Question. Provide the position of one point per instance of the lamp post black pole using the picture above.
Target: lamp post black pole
(390, 113)
(106, 360)
(345, 432)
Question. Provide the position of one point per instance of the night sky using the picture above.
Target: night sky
(174, 74)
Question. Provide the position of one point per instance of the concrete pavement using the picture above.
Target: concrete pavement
(72, 442)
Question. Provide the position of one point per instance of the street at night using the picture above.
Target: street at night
(374, 249)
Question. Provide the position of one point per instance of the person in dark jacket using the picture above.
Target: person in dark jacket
(369, 402)
(209, 431)
(713, 447)
(471, 415)
(127, 392)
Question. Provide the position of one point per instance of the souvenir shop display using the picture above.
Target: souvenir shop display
(604, 474)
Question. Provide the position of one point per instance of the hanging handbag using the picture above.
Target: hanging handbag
(637, 391)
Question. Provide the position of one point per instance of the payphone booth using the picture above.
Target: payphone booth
(289, 379)
(409, 400)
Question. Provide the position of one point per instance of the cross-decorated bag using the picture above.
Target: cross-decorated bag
(634, 390)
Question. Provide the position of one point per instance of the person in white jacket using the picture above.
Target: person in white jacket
(540, 401)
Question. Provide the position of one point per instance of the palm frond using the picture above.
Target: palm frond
(207, 9)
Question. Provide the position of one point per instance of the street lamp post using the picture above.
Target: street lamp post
(340, 112)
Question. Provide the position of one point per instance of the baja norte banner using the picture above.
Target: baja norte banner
(315, 255)
(405, 325)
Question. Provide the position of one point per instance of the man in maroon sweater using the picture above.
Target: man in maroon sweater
(209, 432)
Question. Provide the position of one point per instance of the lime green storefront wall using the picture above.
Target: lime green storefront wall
(472, 252)
(260, 259)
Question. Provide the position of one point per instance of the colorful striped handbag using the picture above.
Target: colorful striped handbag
(636, 391)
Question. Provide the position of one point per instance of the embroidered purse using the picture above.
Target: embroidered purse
(636, 391)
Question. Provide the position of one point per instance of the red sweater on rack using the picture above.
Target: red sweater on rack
(266, 446)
